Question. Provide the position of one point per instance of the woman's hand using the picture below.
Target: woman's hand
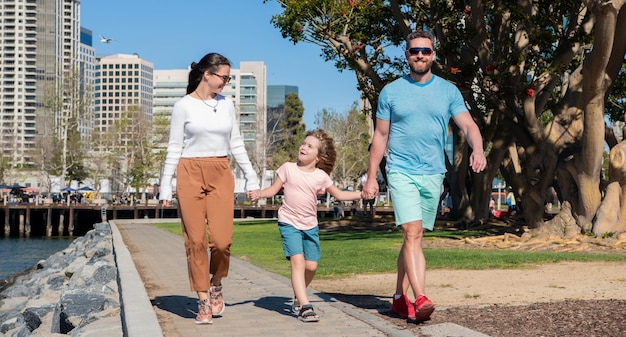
(166, 203)
(254, 195)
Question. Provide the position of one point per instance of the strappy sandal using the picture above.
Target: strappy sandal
(307, 314)
(295, 306)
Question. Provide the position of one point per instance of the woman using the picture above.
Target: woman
(203, 131)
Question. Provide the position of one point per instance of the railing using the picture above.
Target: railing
(48, 220)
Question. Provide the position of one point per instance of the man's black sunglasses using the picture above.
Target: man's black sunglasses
(425, 51)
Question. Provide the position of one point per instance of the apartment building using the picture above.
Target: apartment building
(169, 87)
(123, 85)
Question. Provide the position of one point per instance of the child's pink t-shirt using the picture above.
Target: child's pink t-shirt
(301, 188)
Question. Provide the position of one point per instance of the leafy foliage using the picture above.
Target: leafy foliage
(350, 132)
(353, 34)
(616, 103)
(519, 66)
(140, 161)
(76, 169)
(129, 160)
(68, 104)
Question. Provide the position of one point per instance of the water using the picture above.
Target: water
(17, 254)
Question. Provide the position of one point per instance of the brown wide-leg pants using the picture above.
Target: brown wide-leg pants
(205, 191)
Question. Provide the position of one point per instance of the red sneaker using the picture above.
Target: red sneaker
(403, 307)
(423, 308)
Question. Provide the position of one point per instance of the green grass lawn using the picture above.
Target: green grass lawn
(368, 252)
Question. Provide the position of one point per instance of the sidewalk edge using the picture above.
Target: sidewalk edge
(138, 317)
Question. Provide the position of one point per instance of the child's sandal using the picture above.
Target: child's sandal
(295, 307)
(307, 314)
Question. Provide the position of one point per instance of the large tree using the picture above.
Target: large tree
(140, 161)
(350, 132)
(131, 161)
(535, 76)
(69, 103)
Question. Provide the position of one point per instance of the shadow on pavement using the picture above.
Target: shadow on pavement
(368, 302)
(277, 304)
(182, 306)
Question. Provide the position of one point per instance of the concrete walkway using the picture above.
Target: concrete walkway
(257, 301)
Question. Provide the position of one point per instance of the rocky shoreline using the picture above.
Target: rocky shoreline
(74, 292)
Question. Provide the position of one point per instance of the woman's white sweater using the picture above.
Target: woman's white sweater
(198, 131)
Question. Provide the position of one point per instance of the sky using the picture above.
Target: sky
(171, 35)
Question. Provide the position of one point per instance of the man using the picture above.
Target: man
(411, 122)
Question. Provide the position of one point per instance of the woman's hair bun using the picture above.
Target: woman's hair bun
(193, 65)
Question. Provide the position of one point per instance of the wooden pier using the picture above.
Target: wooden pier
(48, 220)
(26, 219)
(269, 211)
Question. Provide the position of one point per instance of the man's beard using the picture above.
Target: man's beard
(416, 71)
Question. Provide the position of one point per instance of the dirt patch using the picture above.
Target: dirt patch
(453, 288)
(563, 299)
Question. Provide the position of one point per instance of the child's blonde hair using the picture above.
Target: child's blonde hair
(326, 151)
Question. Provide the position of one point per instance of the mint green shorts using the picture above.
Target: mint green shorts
(415, 197)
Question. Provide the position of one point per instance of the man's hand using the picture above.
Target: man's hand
(477, 162)
(370, 189)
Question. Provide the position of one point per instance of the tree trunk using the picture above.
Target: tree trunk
(611, 217)
(458, 177)
(496, 155)
(595, 84)
(538, 177)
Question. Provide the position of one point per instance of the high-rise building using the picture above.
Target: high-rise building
(248, 89)
(122, 114)
(276, 95)
(87, 73)
(169, 87)
(40, 45)
(124, 85)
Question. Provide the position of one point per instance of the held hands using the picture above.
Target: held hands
(370, 189)
(166, 203)
(254, 195)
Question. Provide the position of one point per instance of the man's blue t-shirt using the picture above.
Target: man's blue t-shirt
(419, 116)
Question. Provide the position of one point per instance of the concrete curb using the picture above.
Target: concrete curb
(138, 316)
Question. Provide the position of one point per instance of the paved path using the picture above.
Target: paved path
(256, 301)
